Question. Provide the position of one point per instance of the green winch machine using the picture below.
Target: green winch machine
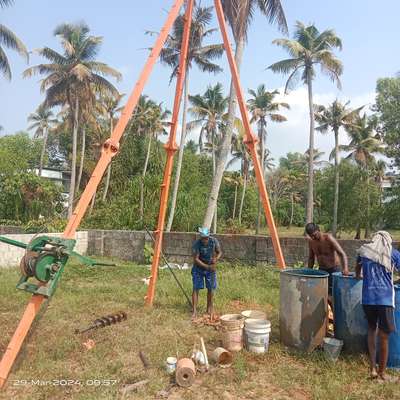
(44, 260)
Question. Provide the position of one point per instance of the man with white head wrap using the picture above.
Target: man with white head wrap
(377, 261)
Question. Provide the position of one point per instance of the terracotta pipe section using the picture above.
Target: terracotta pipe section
(251, 139)
(111, 146)
(170, 148)
(15, 344)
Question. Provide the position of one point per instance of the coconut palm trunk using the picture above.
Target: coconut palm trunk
(214, 168)
(310, 184)
(291, 209)
(180, 155)
(108, 177)
(262, 155)
(235, 202)
(146, 163)
(92, 202)
(242, 198)
(43, 152)
(78, 183)
(73, 163)
(336, 195)
(226, 143)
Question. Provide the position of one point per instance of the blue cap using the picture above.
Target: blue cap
(204, 232)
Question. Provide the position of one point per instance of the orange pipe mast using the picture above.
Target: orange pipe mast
(171, 149)
(20, 333)
(109, 150)
(251, 140)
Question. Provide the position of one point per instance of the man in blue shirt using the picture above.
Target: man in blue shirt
(206, 253)
(377, 261)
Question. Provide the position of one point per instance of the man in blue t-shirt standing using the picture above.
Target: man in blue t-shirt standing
(206, 253)
(377, 261)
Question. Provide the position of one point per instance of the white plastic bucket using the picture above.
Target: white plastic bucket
(232, 331)
(254, 314)
(257, 335)
(332, 348)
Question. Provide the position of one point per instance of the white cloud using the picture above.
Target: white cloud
(293, 135)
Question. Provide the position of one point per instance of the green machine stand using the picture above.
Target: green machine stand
(44, 261)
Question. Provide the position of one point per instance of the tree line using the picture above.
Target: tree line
(81, 106)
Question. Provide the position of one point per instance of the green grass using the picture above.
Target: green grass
(54, 352)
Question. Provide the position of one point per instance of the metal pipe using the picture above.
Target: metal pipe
(13, 242)
(16, 341)
(251, 139)
(172, 271)
(171, 149)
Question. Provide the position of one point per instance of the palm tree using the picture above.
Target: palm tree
(73, 78)
(151, 120)
(240, 153)
(379, 171)
(239, 14)
(198, 54)
(110, 107)
(263, 107)
(335, 117)
(10, 40)
(364, 144)
(209, 111)
(42, 121)
(234, 179)
(309, 48)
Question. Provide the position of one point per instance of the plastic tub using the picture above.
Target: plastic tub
(257, 333)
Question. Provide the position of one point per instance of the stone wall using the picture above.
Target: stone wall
(177, 247)
(11, 256)
(8, 229)
(249, 249)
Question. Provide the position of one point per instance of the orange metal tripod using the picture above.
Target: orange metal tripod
(250, 140)
(111, 147)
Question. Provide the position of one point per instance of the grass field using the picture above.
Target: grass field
(54, 352)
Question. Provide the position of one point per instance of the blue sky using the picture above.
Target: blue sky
(370, 34)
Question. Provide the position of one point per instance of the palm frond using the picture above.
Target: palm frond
(292, 80)
(103, 84)
(11, 41)
(6, 3)
(293, 47)
(273, 10)
(278, 118)
(5, 65)
(103, 69)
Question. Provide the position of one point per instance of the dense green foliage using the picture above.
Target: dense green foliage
(24, 196)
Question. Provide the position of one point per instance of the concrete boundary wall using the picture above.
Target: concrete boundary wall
(249, 249)
(177, 246)
(11, 256)
(9, 229)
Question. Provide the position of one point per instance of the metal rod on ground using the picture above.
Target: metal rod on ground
(172, 272)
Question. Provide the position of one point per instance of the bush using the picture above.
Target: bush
(53, 225)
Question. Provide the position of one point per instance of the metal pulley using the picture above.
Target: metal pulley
(41, 266)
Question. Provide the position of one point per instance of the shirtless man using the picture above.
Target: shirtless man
(327, 250)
